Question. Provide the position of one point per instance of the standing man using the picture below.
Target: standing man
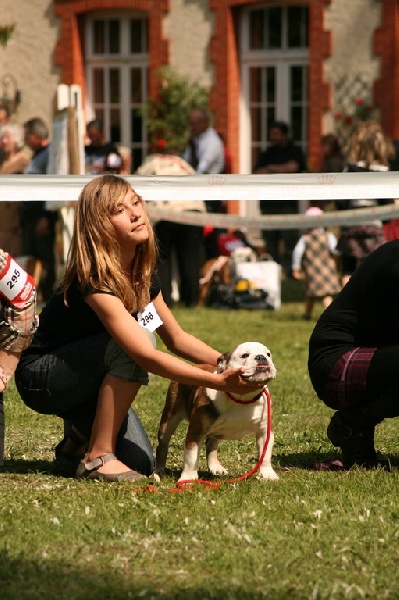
(205, 150)
(282, 156)
(38, 224)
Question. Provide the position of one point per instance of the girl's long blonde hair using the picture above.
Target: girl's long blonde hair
(370, 145)
(94, 255)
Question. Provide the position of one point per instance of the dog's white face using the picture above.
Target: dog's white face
(254, 357)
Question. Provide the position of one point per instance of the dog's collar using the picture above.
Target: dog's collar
(238, 401)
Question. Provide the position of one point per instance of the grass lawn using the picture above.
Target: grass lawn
(311, 535)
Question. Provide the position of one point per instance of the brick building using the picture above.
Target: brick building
(297, 60)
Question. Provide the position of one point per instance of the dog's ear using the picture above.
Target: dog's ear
(223, 361)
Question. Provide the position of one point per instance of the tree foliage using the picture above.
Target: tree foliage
(168, 111)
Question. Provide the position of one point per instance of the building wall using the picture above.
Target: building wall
(353, 38)
(29, 56)
(352, 25)
(189, 27)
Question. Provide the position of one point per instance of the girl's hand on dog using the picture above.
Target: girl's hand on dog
(231, 380)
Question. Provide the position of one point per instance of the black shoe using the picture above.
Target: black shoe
(357, 445)
(65, 463)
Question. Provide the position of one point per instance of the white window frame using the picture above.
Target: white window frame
(282, 60)
(124, 61)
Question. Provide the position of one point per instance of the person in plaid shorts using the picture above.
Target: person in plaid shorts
(18, 323)
(354, 356)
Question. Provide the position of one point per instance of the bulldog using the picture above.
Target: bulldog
(214, 415)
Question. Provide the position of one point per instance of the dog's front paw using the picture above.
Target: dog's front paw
(217, 469)
(188, 475)
(267, 473)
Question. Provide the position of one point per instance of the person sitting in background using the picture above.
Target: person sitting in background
(100, 156)
(95, 343)
(369, 151)
(14, 160)
(314, 252)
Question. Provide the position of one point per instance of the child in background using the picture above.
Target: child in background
(314, 252)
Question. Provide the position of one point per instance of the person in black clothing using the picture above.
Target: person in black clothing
(100, 156)
(354, 356)
(282, 156)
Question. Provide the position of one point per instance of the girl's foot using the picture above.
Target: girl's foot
(106, 467)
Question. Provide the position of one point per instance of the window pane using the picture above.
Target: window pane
(100, 114)
(137, 122)
(297, 27)
(114, 84)
(256, 30)
(98, 37)
(137, 158)
(296, 84)
(254, 84)
(136, 36)
(297, 122)
(136, 83)
(271, 116)
(114, 37)
(98, 87)
(274, 27)
(271, 84)
(115, 125)
(255, 124)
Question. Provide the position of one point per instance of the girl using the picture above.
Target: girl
(95, 343)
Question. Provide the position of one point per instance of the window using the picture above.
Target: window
(117, 77)
(274, 63)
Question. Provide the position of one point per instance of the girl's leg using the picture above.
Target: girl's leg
(114, 400)
(327, 301)
(308, 306)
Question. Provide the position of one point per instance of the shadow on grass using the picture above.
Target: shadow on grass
(33, 579)
(28, 466)
(310, 460)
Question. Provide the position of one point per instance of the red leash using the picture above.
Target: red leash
(183, 485)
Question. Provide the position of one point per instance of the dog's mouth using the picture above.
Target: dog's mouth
(259, 369)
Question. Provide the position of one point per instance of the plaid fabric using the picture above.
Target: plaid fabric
(3, 259)
(319, 265)
(18, 325)
(360, 240)
(346, 384)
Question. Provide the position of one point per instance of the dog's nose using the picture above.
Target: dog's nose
(261, 359)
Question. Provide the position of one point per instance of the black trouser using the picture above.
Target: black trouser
(42, 248)
(188, 243)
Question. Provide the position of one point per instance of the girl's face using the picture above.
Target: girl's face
(130, 223)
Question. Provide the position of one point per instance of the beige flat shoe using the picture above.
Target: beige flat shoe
(90, 470)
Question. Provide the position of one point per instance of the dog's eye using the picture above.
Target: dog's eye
(245, 355)
(268, 354)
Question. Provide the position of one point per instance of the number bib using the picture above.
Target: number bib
(149, 318)
(16, 285)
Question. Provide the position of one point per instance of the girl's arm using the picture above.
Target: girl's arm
(179, 341)
(128, 334)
